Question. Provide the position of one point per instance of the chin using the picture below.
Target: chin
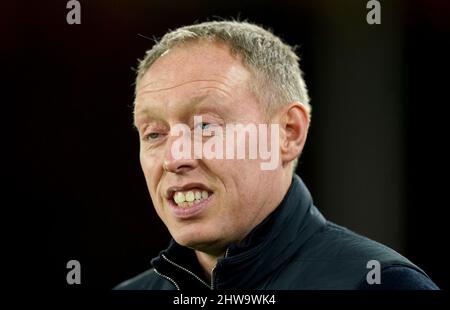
(197, 241)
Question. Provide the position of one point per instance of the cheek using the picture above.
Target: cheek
(149, 168)
(147, 174)
(240, 181)
(148, 162)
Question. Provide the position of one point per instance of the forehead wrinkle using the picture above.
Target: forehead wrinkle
(218, 89)
(221, 90)
(211, 92)
(146, 109)
(175, 86)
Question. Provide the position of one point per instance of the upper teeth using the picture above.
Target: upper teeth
(187, 199)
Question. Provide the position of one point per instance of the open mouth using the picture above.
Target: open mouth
(188, 200)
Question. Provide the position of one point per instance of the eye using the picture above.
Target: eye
(204, 125)
(152, 136)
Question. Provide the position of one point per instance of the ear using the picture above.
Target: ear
(294, 124)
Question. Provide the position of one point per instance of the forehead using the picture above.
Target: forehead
(201, 77)
(193, 66)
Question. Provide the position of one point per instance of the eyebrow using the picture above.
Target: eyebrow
(193, 103)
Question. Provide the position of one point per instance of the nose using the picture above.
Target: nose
(175, 163)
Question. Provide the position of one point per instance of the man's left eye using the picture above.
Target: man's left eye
(204, 125)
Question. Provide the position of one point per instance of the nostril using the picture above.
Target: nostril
(177, 167)
(183, 168)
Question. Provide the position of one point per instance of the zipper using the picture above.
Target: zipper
(167, 278)
(212, 271)
(186, 270)
(212, 277)
(211, 287)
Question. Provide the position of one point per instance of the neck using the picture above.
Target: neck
(208, 261)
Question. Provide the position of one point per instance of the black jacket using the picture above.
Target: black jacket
(293, 248)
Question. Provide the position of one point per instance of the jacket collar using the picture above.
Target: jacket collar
(268, 247)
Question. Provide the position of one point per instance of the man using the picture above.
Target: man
(241, 222)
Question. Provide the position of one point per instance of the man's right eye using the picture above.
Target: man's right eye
(152, 136)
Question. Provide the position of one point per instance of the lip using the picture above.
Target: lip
(189, 212)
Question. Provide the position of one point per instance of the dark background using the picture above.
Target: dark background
(375, 161)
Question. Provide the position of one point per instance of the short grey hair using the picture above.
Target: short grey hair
(274, 65)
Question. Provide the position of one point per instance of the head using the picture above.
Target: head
(227, 73)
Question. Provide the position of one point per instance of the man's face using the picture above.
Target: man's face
(201, 79)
